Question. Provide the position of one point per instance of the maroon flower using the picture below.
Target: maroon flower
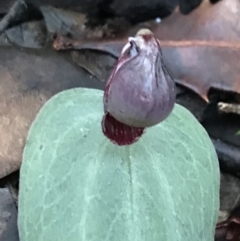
(139, 93)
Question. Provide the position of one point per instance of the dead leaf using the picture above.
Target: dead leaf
(5, 5)
(229, 194)
(99, 10)
(8, 217)
(4, 42)
(228, 153)
(28, 35)
(28, 80)
(229, 202)
(101, 67)
(64, 22)
(16, 13)
(228, 220)
(201, 50)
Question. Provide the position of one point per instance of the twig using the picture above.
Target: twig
(229, 108)
(15, 13)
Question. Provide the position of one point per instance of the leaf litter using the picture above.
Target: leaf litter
(201, 50)
(201, 54)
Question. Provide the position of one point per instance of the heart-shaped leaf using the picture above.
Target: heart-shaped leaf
(77, 185)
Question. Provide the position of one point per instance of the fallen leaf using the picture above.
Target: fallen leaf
(4, 42)
(99, 10)
(201, 50)
(229, 194)
(8, 217)
(28, 80)
(98, 65)
(28, 35)
(64, 22)
(5, 5)
(228, 155)
(221, 125)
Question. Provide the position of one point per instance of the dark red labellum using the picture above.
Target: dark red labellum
(120, 133)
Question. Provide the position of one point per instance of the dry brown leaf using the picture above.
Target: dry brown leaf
(201, 50)
(28, 35)
(8, 217)
(229, 194)
(5, 5)
(65, 22)
(28, 80)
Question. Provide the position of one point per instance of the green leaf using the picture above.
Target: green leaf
(76, 185)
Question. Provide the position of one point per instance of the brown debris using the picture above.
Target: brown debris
(5, 5)
(201, 50)
(8, 217)
(28, 35)
(28, 80)
(15, 12)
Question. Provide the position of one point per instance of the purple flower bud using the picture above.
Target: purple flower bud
(139, 93)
